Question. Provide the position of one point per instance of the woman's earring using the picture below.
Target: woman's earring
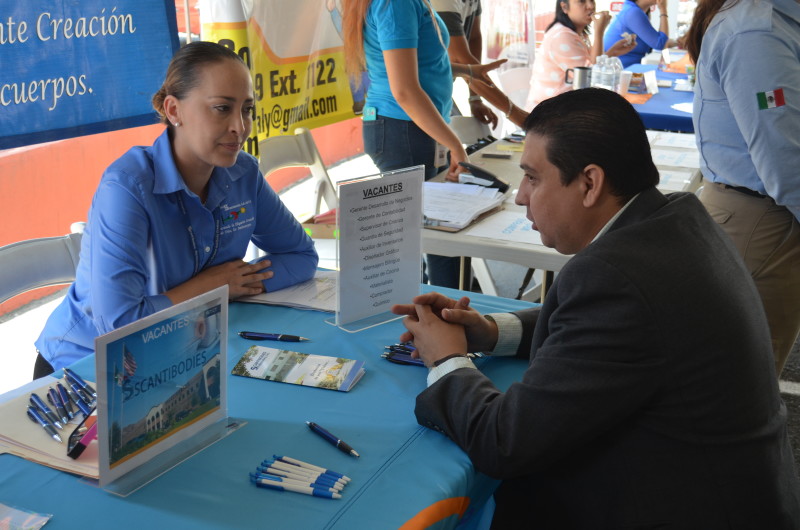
(177, 124)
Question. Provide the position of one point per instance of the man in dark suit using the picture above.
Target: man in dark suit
(650, 400)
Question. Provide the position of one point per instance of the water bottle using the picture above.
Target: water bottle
(616, 65)
(603, 74)
(596, 74)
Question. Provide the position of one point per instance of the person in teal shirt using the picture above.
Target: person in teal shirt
(402, 47)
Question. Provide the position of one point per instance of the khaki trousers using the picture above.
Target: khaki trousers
(768, 238)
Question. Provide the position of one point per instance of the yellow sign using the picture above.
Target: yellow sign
(295, 53)
(233, 35)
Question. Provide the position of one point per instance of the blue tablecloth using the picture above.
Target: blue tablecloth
(405, 471)
(657, 112)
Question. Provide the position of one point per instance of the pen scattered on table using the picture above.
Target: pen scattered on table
(71, 376)
(55, 399)
(52, 418)
(401, 354)
(333, 440)
(36, 416)
(73, 391)
(255, 335)
(284, 473)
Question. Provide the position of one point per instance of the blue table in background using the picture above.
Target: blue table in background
(657, 112)
(406, 473)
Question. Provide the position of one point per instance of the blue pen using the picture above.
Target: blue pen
(34, 415)
(55, 399)
(79, 381)
(78, 400)
(262, 483)
(38, 403)
(254, 335)
(62, 392)
(333, 440)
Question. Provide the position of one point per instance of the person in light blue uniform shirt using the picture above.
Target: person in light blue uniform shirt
(633, 20)
(171, 221)
(747, 125)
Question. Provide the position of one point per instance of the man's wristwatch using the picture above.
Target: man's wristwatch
(452, 356)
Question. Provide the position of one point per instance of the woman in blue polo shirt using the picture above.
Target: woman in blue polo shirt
(633, 19)
(172, 221)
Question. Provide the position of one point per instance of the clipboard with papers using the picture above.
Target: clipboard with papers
(451, 206)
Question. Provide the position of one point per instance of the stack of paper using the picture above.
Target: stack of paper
(318, 293)
(454, 206)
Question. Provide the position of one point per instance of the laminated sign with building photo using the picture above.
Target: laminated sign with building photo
(160, 381)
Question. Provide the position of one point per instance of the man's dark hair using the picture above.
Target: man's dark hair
(595, 126)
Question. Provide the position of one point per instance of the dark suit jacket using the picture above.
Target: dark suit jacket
(650, 400)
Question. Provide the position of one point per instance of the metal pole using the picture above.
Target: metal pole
(188, 21)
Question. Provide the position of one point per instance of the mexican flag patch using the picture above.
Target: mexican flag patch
(768, 100)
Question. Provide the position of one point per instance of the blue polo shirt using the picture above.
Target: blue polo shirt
(147, 233)
(402, 24)
(750, 52)
(631, 19)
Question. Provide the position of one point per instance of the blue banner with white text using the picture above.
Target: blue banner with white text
(76, 67)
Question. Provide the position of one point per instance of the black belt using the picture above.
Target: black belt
(746, 191)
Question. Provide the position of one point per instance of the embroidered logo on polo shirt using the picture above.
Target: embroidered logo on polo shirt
(233, 215)
(771, 99)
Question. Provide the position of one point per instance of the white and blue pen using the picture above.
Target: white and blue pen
(276, 467)
(300, 471)
(283, 486)
(296, 482)
(311, 467)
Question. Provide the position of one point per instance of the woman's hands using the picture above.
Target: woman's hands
(477, 71)
(242, 279)
(621, 47)
(600, 20)
(481, 71)
(456, 156)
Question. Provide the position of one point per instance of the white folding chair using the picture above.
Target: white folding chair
(299, 150)
(34, 263)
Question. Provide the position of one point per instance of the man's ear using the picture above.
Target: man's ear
(593, 184)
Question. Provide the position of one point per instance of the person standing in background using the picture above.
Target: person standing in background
(402, 46)
(747, 121)
(566, 45)
(463, 21)
(634, 20)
